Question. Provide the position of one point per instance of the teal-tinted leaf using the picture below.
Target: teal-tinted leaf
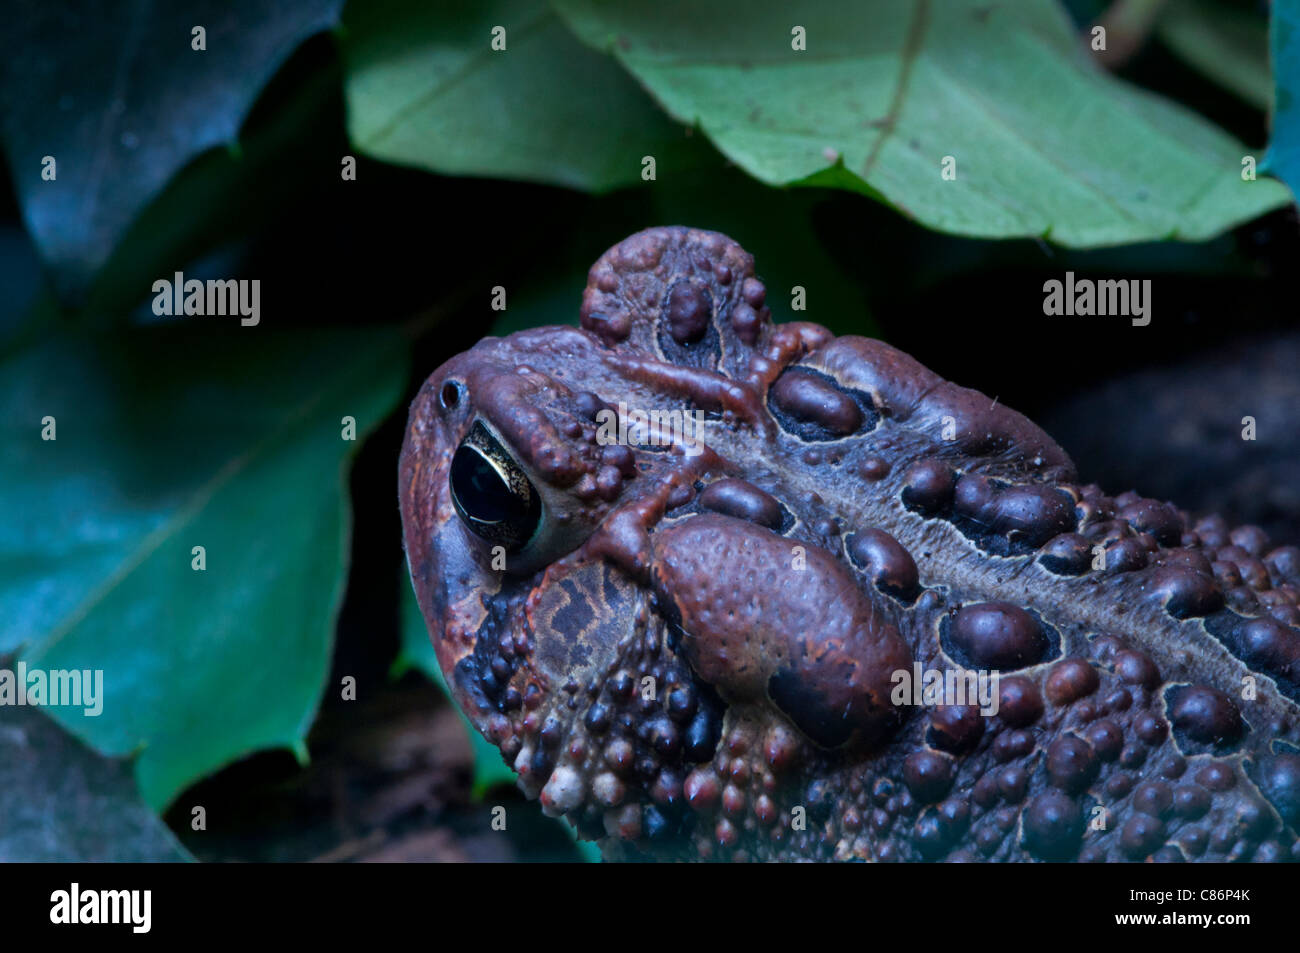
(168, 439)
(490, 769)
(425, 88)
(1228, 44)
(1283, 157)
(1044, 142)
(222, 197)
(21, 285)
(115, 93)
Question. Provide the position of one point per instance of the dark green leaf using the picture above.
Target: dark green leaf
(167, 439)
(115, 93)
(221, 198)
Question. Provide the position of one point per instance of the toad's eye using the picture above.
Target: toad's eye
(491, 492)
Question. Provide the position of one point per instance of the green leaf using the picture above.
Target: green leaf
(167, 439)
(1283, 157)
(490, 769)
(114, 92)
(1045, 142)
(425, 88)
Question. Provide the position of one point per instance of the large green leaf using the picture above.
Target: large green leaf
(1045, 142)
(167, 439)
(1284, 47)
(115, 93)
(425, 88)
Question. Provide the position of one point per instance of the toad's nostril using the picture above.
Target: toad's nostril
(449, 396)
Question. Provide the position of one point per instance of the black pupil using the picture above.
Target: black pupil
(481, 491)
